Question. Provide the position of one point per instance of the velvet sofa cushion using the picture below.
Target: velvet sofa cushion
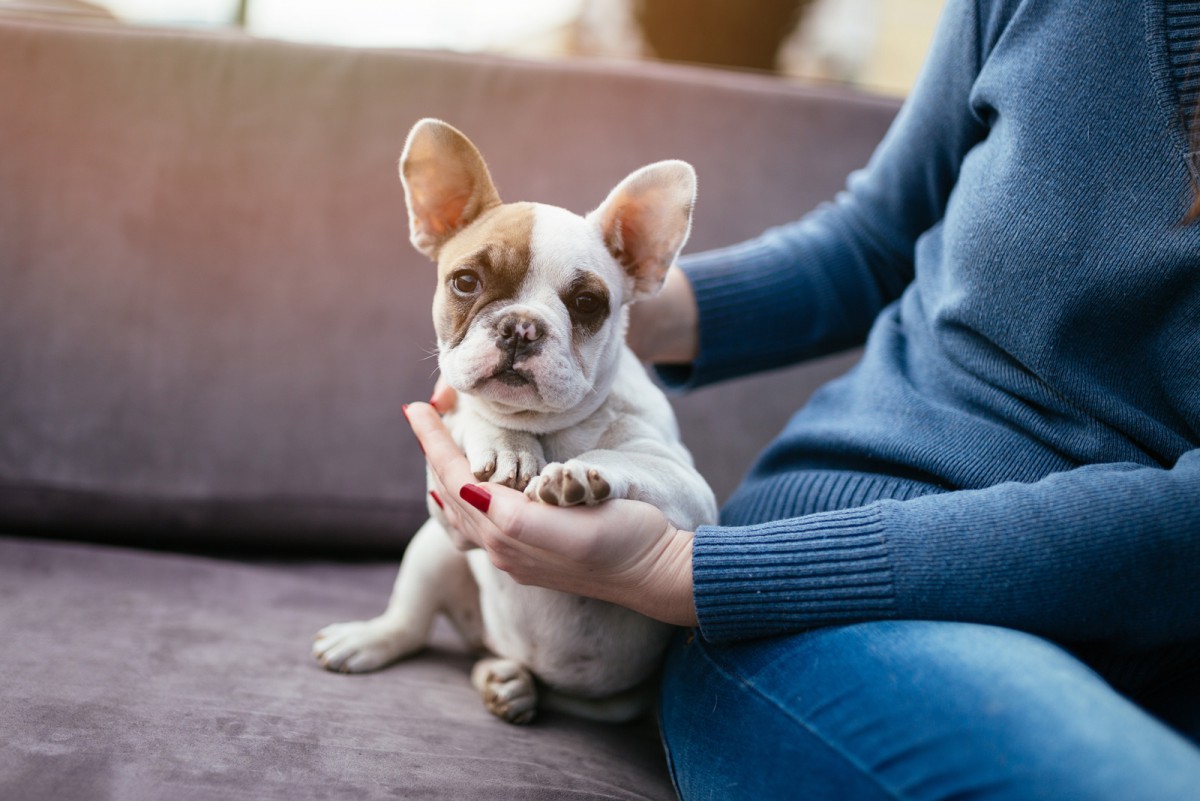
(209, 311)
(139, 676)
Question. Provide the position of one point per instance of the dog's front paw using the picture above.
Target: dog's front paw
(511, 468)
(362, 645)
(569, 484)
(511, 459)
(507, 688)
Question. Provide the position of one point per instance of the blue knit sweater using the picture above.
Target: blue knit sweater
(1020, 444)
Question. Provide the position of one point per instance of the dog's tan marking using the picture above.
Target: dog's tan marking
(498, 246)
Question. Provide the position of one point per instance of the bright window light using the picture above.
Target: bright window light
(466, 25)
(454, 24)
(206, 13)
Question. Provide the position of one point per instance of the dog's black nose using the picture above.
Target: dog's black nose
(519, 331)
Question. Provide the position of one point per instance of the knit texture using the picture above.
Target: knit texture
(1181, 30)
(1018, 444)
(1181, 24)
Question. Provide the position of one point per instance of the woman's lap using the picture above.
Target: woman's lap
(910, 710)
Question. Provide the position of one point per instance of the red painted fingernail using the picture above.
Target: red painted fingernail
(476, 496)
(436, 499)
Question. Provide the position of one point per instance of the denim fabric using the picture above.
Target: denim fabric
(910, 710)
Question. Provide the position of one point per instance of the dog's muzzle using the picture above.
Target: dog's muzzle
(518, 336)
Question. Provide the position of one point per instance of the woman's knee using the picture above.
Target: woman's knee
(905, 709)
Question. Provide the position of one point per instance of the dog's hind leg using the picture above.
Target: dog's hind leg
(434, 577)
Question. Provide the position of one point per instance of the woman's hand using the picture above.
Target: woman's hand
(621, 551)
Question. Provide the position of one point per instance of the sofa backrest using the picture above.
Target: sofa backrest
(210, 314)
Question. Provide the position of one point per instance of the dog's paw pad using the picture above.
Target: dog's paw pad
(599, 488)
(507, 689)
(571, 491)
(569, 484)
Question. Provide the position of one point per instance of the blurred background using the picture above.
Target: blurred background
(876, 45)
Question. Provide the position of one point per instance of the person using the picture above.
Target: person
(969, 568)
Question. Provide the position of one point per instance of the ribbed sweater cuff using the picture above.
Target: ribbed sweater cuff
(791, 575)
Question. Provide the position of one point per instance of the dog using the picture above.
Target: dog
(530, 313)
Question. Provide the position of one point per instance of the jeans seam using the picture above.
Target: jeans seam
(671, 772)
(841, 752)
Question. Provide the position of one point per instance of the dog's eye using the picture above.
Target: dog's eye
(586, 303)
(465, 282)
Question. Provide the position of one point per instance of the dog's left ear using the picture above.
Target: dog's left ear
(646, 220)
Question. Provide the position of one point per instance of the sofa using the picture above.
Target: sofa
(210, 317)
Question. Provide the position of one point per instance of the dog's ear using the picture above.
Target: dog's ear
(446, 184)
(646, 220)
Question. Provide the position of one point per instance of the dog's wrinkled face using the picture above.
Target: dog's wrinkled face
(527, 307)
(530, 304)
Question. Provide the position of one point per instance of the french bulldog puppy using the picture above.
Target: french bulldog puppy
(530, 313)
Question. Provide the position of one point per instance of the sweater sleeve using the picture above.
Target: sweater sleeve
(817, 284)
(1103, 553)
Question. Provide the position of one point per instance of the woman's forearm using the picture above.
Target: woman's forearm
(664, 329)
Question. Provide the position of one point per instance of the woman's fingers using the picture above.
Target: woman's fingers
(520, 523)
(621, 551)
(452, 474)
(449, 470)
(508, 510)
(443, 455)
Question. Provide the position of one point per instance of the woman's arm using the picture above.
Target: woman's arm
(815, 286)
(664, 328)
(1104, 553)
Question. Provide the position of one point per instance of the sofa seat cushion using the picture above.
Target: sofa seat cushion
(135, 675)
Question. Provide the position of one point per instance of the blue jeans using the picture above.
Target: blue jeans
(912, 710)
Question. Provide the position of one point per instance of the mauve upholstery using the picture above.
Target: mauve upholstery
(210, 316)
(132, 675)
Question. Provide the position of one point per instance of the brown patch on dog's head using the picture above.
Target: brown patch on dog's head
(489, 260)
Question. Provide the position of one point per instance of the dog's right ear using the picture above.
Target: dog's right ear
(446, 184)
